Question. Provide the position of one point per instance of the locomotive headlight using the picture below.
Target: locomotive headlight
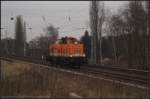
(75, 42)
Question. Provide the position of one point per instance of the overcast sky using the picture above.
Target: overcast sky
(56, 13)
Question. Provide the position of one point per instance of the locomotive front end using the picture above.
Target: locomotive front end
(67, 51)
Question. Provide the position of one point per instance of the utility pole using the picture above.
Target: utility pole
(0, 40)
(0, 60)
(25, 48)
(6, 41)
(24, 39)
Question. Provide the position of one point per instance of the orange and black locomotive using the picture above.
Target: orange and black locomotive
(67, 50)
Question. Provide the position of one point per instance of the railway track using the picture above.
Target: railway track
(134, 76)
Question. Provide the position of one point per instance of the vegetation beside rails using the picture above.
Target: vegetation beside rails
(24, 79)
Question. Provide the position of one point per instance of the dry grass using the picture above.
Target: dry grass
(21, 79)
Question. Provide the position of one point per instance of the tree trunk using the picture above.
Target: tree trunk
(94, 20)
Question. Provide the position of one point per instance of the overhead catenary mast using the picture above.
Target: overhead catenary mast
(6, 45)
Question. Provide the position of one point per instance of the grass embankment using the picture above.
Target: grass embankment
(22, 79)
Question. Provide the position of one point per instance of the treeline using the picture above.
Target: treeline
(128, 39)
(36, 48)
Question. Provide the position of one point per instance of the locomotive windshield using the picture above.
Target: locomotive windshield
(68, 40)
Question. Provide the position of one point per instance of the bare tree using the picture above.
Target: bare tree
(135, 16)
(148, 33)
(86, 40)
(93, 25)
(129, 29)
(116, 26)
(40, 45)
(97, 16)
(101, 19)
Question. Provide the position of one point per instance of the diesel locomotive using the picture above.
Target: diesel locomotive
(67, 50)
